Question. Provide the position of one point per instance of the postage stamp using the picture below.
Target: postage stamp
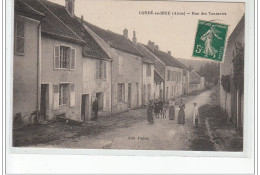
(210, 40)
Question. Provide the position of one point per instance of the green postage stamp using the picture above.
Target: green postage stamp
(210, 40)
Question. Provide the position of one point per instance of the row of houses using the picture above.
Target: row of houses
(62, 63)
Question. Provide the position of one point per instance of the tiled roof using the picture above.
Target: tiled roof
(167, 59)
(90, 48)
(115, 40)
(158, 66)
(51, 25)
(157, 77)
(26, 10)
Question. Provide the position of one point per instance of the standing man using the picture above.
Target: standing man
(195, 115)
(95, 109)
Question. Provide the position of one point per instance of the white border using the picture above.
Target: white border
(82, 161)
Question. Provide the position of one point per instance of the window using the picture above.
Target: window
(19, 42)
(168, 75)
(63, 94)
(101, 72)
(64, 57)
(148, 70)
(121, 92)
(99, 96)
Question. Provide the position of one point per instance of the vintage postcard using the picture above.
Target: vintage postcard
(130, 75)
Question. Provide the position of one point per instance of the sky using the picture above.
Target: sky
(175, 33)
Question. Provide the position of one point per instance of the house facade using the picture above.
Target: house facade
(168, 69)
(92, 67)
(158, 86)
(232, 99)
(148, 83)
(196, 82)
(60, 66)
(126, 69)
(173, 82)
(27, 33)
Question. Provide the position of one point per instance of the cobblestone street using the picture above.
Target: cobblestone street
(122, 132)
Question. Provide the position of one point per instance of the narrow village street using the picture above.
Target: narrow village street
(164, 134)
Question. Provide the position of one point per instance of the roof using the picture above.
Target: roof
(90, 47)
(158, 66)
(157, 77)
(167, 59)
(26, 10)
(115, 40)
(51, 25)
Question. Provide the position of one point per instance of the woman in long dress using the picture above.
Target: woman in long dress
(181, 114)
(207, 37)
(172, 111)
(150, 112)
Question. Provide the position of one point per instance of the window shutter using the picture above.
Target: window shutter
(55, 97)
(101, 69)
(97, 69)
(72, 95)
(105, 70)
(73, 58)
(56, 57)
(104, 101)
(120, 65)
(19, 37)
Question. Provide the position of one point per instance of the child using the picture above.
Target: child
(163, 112)
(195, 115)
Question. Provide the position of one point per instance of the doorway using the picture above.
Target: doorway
(144, 94)
(44, 102)
(129, 95)
(85, 107)
(137, 94)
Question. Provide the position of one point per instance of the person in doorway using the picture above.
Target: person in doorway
(195, 115)
(95, 109)
(150, 108)
(172, 110)
(181, 114)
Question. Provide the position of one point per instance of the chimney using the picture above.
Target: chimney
(134, 38)
(82, 20)
(151, 44)
(70, 4)
(125, 33)
(156, 47)
(170, 53)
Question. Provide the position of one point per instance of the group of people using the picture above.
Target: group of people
(157, 108)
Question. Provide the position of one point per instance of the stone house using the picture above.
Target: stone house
(159, 69)
(170, 69)
(60, 66)
(196, 82)
(232, 100)
(27, 33)
(127, 67)
(95, 65)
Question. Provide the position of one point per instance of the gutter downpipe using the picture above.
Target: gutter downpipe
(38, 73)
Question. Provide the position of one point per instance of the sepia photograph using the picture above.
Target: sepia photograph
(128, 75)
